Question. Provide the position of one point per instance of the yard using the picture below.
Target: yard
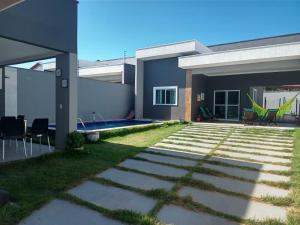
(245, 171)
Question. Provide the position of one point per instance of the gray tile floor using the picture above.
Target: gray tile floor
(13, 153)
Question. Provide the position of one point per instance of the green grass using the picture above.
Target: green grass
(294, 215)
(34, 182)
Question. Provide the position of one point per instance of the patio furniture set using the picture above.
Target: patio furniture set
(12, 128)
(249, 116)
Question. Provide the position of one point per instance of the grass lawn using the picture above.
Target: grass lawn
(294, 218)
(34, 182)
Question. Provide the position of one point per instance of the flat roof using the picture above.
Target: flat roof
(171, 50)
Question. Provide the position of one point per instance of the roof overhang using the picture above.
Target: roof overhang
(15, 52)
(171, 50)
(283, 57)
(102, 71)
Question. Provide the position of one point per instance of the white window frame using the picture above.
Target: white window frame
(226, 104)
(165, 88)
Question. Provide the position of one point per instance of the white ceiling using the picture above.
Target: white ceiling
(14, 52)
(266, 67)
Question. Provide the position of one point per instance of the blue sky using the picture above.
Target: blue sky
(107, 28)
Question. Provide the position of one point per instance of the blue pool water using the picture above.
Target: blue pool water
(98, 126)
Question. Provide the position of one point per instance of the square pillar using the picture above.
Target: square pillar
(2, 91)
(139, 89)
(66, 97)
(188, 95)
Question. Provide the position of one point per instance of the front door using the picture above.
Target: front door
(227, 104)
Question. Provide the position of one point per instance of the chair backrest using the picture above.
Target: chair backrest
(12, 127)
(21, 117)
(203, 113)
(19, 130)
(208, 112)
(40, 127)
(271, 115)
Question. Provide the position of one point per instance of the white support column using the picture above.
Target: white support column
(66, 97)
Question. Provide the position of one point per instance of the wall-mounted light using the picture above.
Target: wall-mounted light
(58, 72)
(64, 83)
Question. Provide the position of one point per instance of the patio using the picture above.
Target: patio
(13, 153)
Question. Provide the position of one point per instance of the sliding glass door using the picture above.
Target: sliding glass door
(227, 104)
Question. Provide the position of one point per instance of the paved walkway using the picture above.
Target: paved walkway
(240, 166)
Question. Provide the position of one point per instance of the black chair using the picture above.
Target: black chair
(39, 129)
(12, 129)
(21, 117)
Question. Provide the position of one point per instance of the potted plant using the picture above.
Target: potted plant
(75, 141)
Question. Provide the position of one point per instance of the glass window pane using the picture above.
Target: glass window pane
(233, 97)
(220, 97)
(160, 96)
(233, 112)
(170, 96)
(220, 112)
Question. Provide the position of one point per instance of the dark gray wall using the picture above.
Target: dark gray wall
(129, 74)
(36, 97)
(163, 72)
(198, 86)
(53, 23)
(244, 82)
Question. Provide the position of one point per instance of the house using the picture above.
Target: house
(173, 80)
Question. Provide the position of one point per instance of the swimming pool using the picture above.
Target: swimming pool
(107, 125)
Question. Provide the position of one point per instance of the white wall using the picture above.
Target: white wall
(273, 98)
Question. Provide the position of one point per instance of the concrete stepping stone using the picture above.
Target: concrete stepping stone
(207, 137)
(202, 132)
(220, 133)
(235, 206)
(259, 146)
(255, 151)
(199, 139)
(225, 131)
(264, 136)
(241, 187)
(254, 165)
(175, 215)
(268, 133)
(247, 174)
(260, 158)
(176, 153)
(135, 180)
(188, 143)
(59, 212)
(260, 142)
(246, 137)
(167, 159)
(153, 168)
(112, 198)
(185, 148)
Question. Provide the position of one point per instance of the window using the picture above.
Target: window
(165, 95)
(227, 104)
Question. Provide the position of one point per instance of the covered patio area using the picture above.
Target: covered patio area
(221, 80)
(30, 31)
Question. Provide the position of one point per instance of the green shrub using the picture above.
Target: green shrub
(75, 141)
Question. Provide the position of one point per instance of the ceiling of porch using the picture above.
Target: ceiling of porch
(14, 52)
